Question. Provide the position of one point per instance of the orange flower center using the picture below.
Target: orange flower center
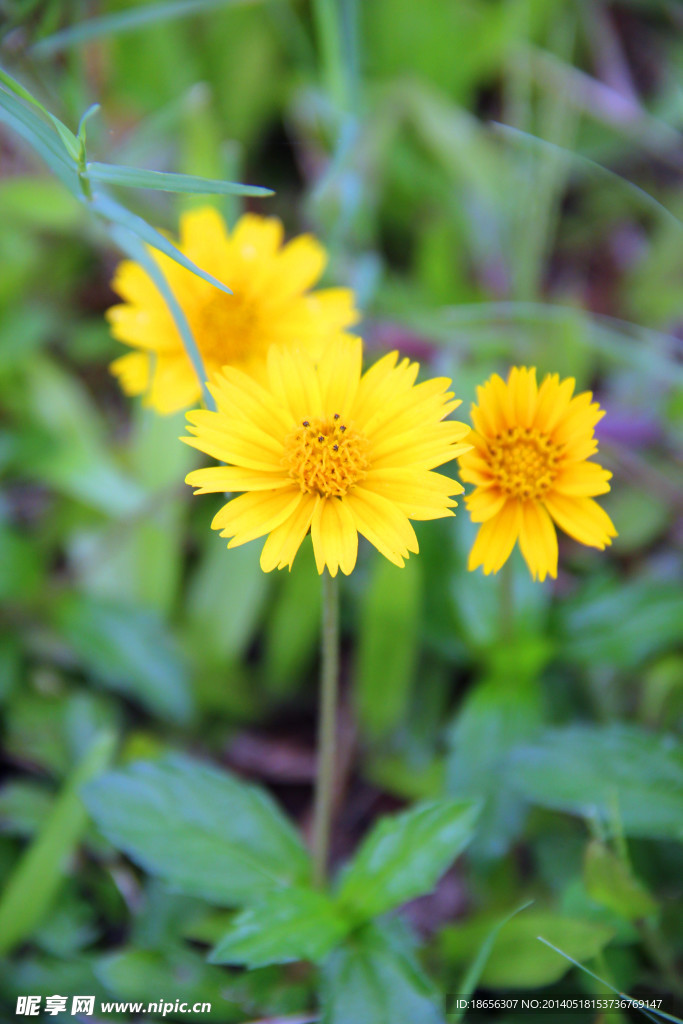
(326, 456)
(524, 461)
(226, 331)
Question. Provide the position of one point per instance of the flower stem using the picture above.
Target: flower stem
(327, 723)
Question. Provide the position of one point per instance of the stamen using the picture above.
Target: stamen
(525, 462)
(324, 461)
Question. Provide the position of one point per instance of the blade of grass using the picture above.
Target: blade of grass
(127, 21)
(469, 983)
(69, 140)
(134, 248)
(651, 1013)
(40, 138)
(188, 184)
(113, 211)
(38, 875)
(515, 135)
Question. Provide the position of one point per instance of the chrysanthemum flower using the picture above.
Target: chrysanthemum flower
(271, 304)
(529, 462)
(320, 447)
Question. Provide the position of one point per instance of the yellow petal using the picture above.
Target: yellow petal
(252, 515)
(583, 479)
(340, 373)
(484, 503)
(538, 541)
(132, 371)
(216, 479)
(496, 539)
(334, 535)
(582, 518)
(285, 540)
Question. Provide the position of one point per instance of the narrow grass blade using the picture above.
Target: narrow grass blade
(469, 983)
(71, 143)
(516, 135)
(651, 1013)
(126, 21)
(113, 211)
(132, 177)
(133, 247)
(38, 875)
(34, 131)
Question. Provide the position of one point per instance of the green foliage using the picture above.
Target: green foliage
(518, 960)
(205, 832)
(615, 773)
(32, 887)
(288, 924)
(376, 980)
(404, 856)
(387, 645)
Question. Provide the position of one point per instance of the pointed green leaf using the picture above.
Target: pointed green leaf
(517, 959)
(610, 882)
(38, 875)
(40, 136)
(71, 144)
(85, 117)
(375, 979)
(204, 831)
(405, 855)
(188, 184)
(608, 771)
(126, 21)
(133, 247)
(289, 924)
(113, 211)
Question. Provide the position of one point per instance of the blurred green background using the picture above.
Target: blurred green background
(500, 181)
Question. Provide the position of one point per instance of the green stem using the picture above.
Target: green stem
(327, 721)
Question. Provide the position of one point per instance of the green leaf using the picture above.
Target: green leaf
(375, 979)
(293, 627)
(39, 135)
(405, 855)
(40, 872)
(85, 117)
(472, 977)
(606, 771)
(126, 21)
(18, 89)
(388, 644)
(142, 974)
(518, 959)
(129, 240)
(610, 882)
(188, 184)
(619, 627)
(495, 717)
(204, 831)
(287, 925)
(128, 649)
(225, 600)
(113, 211)
(71, 144)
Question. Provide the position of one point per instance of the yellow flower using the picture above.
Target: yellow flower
(271, 304)
(321, 447)
(529, 464)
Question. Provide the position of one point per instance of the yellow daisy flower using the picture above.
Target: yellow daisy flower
(529, 463)
(271, 304)
(320, 447)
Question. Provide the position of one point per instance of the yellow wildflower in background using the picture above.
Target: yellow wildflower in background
(326, 449)
(271, 304)
(529, 463)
